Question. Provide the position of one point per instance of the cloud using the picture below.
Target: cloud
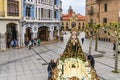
(77, 5)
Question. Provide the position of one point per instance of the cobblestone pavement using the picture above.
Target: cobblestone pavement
(24, 64)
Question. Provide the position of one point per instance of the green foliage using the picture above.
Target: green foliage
(112, 29)
(92, 29)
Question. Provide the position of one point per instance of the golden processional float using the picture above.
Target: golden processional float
(72, 64)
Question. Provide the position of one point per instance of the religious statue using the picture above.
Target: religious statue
(72, 62)
(74, 43)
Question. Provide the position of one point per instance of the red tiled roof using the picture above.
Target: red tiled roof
(67, 16)
(80, 17)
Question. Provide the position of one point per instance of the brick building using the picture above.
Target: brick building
(102, 11)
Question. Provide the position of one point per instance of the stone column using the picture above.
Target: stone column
(18, 39)
(2, 41)
(58, 28)
(19, 34)
(34, 35)
(51, 35)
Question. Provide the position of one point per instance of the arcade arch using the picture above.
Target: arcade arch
(43, 33)
(11, 34)
(28, 34)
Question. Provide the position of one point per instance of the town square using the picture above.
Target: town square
(59, 40)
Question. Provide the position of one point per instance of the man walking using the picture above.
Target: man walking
(82, 34)
(38, 41)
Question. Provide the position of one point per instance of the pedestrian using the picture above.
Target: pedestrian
(51, 65)
(15, 43)
(114, 48)
(61, 38)
(38, 41)
(8, 43)
(30, 44)
(82, 34)
(26, 43)
(32, 41)
(57, 38)
(35, 41)
(12, 43)
(82, 39)
(92, 61)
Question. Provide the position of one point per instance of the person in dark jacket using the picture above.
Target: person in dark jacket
(91, 59)
(114, 48)
(51, 65)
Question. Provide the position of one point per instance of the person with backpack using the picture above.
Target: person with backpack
(51, 65)
(92, 61)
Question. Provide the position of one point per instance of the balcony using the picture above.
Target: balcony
(30, 19)
(90, 12)
(49, 20)
(2, 13)
(29, 2)
(13, 13)
(33, 19)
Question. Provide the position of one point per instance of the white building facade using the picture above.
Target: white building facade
(41, 19)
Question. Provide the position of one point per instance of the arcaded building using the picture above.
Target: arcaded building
(70, 17)
(102, 11)
(10, 15)
(40, 19)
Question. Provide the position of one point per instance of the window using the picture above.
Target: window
(78, 27)
(83, 23)
(41, 12)
(91, 21)
(91, 11)
(54, 2)
(36, 12)
(104, 20)
(66, 23)
(62, 23)
(28, 11)
(55, 14)
(49, 13)
(12, 8)
(67, 28)
(105, 7)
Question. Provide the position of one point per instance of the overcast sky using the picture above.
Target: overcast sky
(77, 5)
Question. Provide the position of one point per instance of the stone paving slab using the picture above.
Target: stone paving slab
(24, 64)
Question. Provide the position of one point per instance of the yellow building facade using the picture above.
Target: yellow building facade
(71, 17)
(10, 15)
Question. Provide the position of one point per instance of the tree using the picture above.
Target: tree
(92, 30)
(113, 29)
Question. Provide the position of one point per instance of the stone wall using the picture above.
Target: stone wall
(112, 14)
